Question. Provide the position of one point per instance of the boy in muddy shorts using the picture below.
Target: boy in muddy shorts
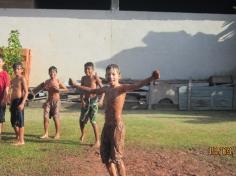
(113, 133)
(89, 110)
(52, 105)
(89, 102)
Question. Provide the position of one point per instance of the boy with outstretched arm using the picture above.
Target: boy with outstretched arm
(113, 133)
(89, 102)
(4, 89)
(52, 105)
(18, 96)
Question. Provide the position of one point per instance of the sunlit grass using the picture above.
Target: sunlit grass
(172, 129)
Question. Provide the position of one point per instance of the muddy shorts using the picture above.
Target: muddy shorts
(52, 109)
(112, 143)
(89, 111)
(2, 113)
(17, 116)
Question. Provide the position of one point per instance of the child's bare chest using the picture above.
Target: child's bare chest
(114, 98)
(16, 83)
(89, 82)
(53, 83)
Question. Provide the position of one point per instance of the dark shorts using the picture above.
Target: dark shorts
(2, 113)
(112, 143)
(17, 116)
(89, 111)
(52, 109)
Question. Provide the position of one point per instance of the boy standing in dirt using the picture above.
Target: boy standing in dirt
(113, 133)
(52, 105)
(4, 88)
(19, 94)
(89, 102)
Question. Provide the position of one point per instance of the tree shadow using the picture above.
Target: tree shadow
(194, 117)
(74, 107)
(8, 137)
(198, 56)
(86, 145)
(211, 119)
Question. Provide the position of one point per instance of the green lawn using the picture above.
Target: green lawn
(170, 129)
(181, 129)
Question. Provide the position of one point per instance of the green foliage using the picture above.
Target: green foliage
(12, 53)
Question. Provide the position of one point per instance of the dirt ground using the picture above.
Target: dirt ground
(155, 162)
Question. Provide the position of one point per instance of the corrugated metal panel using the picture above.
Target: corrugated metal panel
(206, 98)
(183, 98)
(223, 98)
(200, 103)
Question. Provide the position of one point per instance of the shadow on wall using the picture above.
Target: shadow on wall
(179, 55)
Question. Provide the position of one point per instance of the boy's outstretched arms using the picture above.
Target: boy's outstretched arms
(86, 89)
(62, 88)
(73, 83)
(99, 82)
(130, 87)
(124, 88)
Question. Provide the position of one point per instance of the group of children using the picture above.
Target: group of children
(89, 102)
(112, 98)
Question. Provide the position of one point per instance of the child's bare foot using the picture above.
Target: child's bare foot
(57, 136)
(18, 143)
(44, 137)
(97, 144)
(81, 138)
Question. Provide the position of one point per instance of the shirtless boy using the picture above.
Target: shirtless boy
(4, 88)
(19, 94)
(113, 133)
(52, 105)
(89, 102)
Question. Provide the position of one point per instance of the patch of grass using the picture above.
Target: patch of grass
(181, 129)
(149, 129)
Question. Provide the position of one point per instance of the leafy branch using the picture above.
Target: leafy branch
(12, 53)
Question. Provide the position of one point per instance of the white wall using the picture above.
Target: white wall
(182, 45)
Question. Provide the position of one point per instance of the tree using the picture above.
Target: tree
(12, 53)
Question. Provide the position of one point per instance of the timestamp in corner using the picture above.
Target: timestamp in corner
(222, 150)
